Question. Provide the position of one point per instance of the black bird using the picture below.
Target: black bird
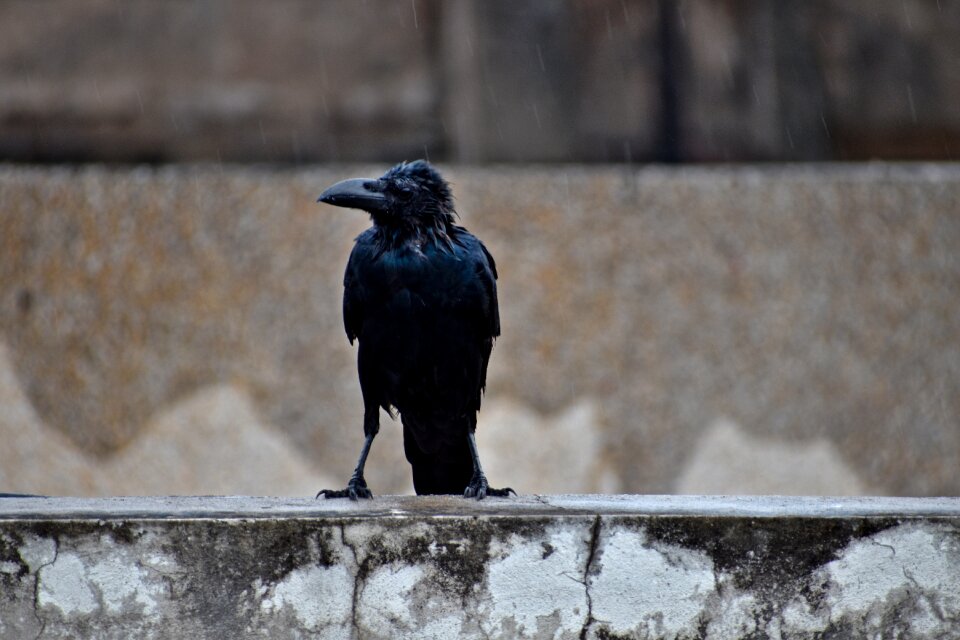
(420, 297)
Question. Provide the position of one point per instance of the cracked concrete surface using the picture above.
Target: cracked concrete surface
(531, 567)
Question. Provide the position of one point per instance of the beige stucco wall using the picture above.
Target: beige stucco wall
(787, 330)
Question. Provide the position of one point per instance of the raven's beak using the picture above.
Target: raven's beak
(354, 194)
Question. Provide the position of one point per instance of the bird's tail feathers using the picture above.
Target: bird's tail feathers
(447, 467)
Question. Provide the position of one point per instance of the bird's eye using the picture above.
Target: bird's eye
(404, 192)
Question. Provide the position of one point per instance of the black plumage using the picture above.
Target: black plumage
(420, 298)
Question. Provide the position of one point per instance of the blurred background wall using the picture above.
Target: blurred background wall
(170, 292)
(568, 81)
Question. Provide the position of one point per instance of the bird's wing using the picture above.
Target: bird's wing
(354, 287)
(486, 308)
(475, 278)
(489, 278)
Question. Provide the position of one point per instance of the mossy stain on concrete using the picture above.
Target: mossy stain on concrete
(743, 547)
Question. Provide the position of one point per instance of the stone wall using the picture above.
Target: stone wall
(534, 567)
(747, 330)
(499, 80)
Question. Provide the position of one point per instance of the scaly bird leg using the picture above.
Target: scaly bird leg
(357, 486)
(478, 487)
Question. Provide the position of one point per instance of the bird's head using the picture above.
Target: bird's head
(409, 194)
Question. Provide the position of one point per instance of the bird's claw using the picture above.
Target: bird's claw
(479, 489)
(356, 488)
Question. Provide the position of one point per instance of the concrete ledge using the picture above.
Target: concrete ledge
(536, 566)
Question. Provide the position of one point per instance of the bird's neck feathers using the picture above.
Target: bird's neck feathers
(435, 227)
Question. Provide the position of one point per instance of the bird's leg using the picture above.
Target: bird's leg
(478, 487)
(357, 486)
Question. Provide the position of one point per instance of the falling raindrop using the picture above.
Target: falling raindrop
(416, 24)
(913, 108)
(199, 193)
(263, 137)
(295, 145)
(140, 101)
(790, 138)
(825, 127)
(491, 93)
(543, 67)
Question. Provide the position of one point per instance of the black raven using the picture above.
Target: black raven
(420, 297)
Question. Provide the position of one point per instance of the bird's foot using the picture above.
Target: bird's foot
(356, 488)
(479, 489)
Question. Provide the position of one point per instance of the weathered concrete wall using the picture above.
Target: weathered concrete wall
(532, 567)
(726, 330)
